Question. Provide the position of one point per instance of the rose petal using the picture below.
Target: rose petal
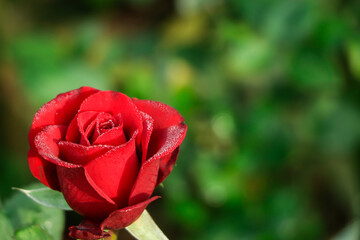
(80, 154)
(164, 115)
(169, 132)
(126, 216)
(175, 136)
(113, 137)
(148, 126)
(43, 170)
(43, 158)
(169, 139)
(76, 129)
(46, 143)
(166, 140)
(87, 230)
(116, 103)
(116, 171)
(94, 131)
(73, 132)
(85, 122)
(166, 165)
(81, 196)
(145, 181)
(59, 111)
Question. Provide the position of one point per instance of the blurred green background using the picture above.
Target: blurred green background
(269, 90)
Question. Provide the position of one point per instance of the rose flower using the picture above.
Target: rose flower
(106, 153)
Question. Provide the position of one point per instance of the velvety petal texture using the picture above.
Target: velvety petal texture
(106, 153)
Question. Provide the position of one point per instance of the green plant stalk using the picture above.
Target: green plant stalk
(145, 228)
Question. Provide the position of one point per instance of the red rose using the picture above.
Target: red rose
(105, 152)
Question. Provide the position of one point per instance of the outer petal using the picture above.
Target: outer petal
(81, 196)
(43, 170)
(116, 171)
(149, 175)
(126, 216)
(59, 111)
(163, 115)
(145, 181)
(169, 132)
(43, 158)
(46, 143)
(169, 151)
(116, 103)
(167, 164)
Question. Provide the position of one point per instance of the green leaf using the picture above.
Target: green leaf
(6, 230)
(32, 232)
(46, 197)
(23, 211)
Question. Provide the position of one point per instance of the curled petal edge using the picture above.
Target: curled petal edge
(46, 143)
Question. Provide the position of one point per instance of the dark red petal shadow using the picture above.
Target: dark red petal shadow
(87, 230)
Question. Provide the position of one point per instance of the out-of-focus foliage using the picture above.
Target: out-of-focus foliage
(23, 219)
(268, 88)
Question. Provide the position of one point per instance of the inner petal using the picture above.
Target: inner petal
(110, 135)
(101, 124)
(84, 120)
(75, 132)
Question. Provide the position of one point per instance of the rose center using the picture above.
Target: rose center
(106, 126)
